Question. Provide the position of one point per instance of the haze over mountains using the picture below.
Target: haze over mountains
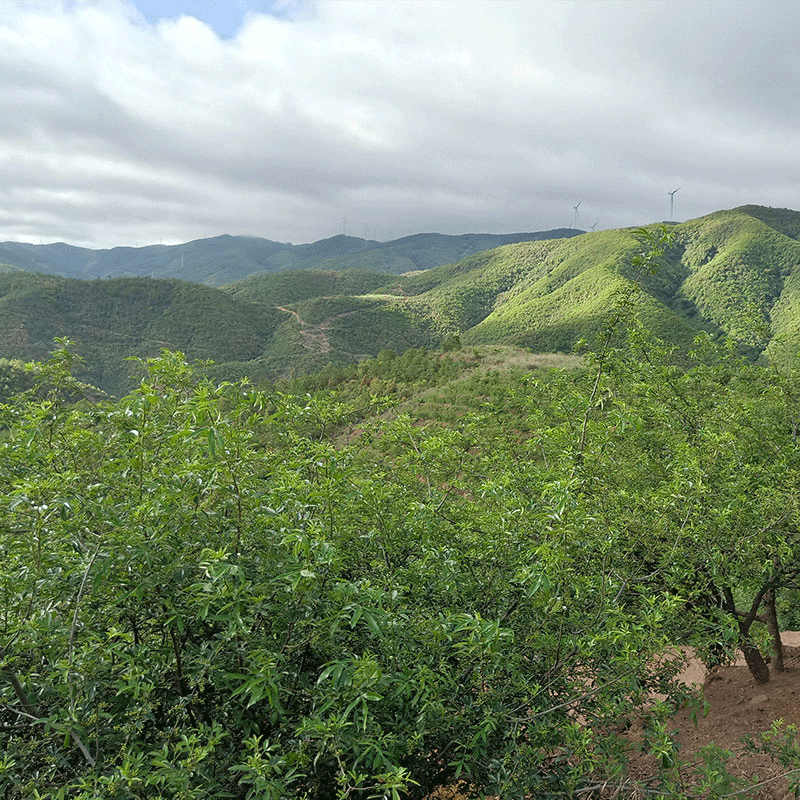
(733, 272)
(224, 259)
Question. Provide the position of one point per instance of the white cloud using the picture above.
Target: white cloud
(401, 116)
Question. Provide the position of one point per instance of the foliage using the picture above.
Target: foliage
(116, 319)
(209, 591)
(203, 597)
(725, 502)
(291, 286)
(14, 379)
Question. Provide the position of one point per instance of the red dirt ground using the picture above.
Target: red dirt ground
(737, 707)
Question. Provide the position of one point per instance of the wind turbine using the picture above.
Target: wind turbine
(575, 208)
(594, 226)
(672, 200)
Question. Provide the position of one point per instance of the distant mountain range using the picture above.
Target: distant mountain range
(732, 272)
(225, 259)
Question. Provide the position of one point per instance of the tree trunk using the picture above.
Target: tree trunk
(774, 631)
(755, 661)
(752, 655)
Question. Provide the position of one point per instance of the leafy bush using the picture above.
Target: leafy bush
(205, 598)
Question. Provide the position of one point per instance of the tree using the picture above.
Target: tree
(697, 463)
(205, 597)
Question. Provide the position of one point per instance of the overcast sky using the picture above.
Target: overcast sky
(132, 123)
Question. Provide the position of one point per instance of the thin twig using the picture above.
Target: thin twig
(78, 603)
(574, 700)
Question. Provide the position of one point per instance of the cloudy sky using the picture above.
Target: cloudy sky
(132, 122)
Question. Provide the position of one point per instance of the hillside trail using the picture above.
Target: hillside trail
(737, 708)
(315, 337)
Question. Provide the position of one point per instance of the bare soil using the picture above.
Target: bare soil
(736, 708)
(314, 337)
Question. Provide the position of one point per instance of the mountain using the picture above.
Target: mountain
(226, 259)
(733, 272)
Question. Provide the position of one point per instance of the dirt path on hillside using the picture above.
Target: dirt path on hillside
(314, 337)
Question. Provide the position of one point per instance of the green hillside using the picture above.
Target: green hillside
(729, 272)
(289, 286)
(735, 272)
(116, 319)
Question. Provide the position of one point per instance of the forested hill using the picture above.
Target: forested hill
(735, 272)
(225, 259)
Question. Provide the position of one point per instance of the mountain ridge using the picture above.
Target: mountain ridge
(734, 273)
(224, 259)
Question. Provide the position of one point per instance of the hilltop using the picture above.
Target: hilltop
(734, 272)
(224, 259)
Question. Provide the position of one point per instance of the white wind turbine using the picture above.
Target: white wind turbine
(575, 209)
(672, 200)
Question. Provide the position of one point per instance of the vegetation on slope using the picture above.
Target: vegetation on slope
(206, 596)
(737, 264)
(291, 286)
(730, 273)
(116, 319)
(726, 273)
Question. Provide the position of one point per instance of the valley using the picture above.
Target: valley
(734, 273)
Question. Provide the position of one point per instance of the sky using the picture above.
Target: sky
(134, 123)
